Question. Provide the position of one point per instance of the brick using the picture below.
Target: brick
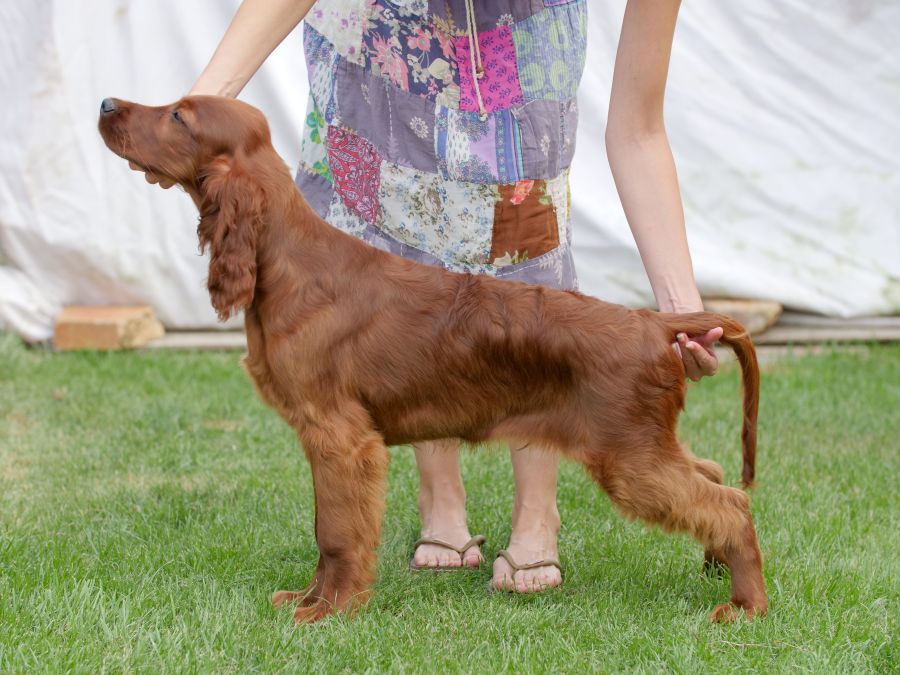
(105, 328)
(756, 315)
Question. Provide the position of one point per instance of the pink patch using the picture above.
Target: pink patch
(522, 190)
(500, 84)
(356, 167)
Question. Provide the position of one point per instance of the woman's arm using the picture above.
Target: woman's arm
(644, 170)
(257, 28)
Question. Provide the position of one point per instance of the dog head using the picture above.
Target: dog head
(219, 150)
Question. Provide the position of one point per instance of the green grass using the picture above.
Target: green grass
(150, 504)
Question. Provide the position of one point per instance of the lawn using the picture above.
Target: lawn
(150, 504)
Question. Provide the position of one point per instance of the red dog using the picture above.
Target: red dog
(358, 349)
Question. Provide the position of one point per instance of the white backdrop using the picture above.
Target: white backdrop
(784, 116)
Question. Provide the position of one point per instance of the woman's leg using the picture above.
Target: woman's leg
(442, 505)
(535, 523)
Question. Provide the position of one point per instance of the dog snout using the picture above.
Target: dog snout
(108, 106)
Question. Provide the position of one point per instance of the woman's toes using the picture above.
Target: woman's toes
(429, 555)
(537, 579)
(504, 583)
(524, 581)
(449, 559)
(472, 558)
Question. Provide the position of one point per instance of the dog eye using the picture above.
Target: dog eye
(177, 117)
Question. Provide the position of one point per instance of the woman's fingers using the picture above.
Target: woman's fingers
(711, 337)
(691, 369)
(704, 359)
(697, 354)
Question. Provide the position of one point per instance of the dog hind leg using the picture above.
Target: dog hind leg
(666, 488)
(713, 563)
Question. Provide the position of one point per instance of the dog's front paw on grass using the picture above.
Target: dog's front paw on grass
(312, 607)
(314, 612)
(280, 598)
(309, 607)
(729, 612)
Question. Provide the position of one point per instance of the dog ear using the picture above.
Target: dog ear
(230, 221)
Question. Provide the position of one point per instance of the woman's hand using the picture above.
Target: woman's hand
(697, 354)
(644, 170)
(257, 28)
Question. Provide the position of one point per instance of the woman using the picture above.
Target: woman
(443, 132)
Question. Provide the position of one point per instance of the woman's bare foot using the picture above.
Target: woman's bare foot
(535, 523)
(533, 539)
(442, 507)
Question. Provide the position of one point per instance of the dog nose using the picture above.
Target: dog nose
(107, 105)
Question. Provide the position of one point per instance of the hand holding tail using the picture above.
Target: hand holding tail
(697, 354)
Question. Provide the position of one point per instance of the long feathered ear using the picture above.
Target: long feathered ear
(230, 221)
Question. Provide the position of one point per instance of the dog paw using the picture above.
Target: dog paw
(316, 611)
(280, 598)
(725, 613)
(728, 612)
(312, 605)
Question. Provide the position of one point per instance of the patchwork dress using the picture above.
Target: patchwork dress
(443, 130)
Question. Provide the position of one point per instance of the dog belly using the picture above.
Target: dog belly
(518, 429)
(411, 431)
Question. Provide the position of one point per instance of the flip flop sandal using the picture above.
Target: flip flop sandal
(477, 540)
(547, 562)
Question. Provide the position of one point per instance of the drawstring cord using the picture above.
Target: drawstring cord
(475, 55)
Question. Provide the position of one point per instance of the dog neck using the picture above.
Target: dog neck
(302, 261)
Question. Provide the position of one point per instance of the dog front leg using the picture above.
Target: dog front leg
(349, 480)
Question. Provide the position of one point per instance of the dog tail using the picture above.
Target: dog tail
(738, 338)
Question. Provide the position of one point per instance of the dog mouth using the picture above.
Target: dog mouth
(117, 142)
(115, 120)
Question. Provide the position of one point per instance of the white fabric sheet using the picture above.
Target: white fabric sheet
(784, 117)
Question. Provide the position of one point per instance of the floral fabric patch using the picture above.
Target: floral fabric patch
(478, 150)
(313, 152)
(355, 166)
(451, 220)
(401, 44)
(341, 23)
(343, 218)
(499, 85)
(465, 146)
(321, 67)
(557, 189)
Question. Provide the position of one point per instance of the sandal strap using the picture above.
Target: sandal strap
(547, 562)
(477, 540)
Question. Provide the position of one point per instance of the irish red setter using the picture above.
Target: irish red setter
(358, 349)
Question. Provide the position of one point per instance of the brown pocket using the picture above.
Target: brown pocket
(524, 223)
